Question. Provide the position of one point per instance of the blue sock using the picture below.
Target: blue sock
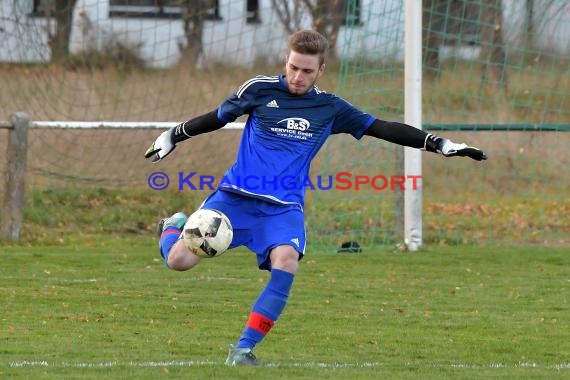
(167, 239)
(267, 308)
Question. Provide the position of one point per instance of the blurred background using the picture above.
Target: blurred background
(496, 74)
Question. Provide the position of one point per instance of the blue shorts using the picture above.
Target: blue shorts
(260, 225)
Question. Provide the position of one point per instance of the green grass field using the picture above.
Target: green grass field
(84, 296)
(110, 309)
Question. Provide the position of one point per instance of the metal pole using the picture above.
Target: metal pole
(413, 116)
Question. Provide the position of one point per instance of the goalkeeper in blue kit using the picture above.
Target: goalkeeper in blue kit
(289, 120)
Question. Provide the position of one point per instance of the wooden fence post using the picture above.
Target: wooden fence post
(15, 179)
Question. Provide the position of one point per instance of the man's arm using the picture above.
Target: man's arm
(166, 142)
(403, 134)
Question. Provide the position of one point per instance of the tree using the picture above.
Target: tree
(193, 15)
(327, 17)
(493, 54)
(290, 16)
(327, 20)
(62, 11)
(432, 22)
(529, 24)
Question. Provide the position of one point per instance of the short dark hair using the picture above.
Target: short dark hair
(309, 42)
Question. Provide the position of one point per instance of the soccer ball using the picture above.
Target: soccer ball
(208, 233)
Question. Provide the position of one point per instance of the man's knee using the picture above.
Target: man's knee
(180, 258)
(285, 257)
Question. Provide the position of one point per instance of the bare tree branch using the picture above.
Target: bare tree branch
(327, 17)
(493, 52)
(282, 10)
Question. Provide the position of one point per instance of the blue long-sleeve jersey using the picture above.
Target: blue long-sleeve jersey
(282, 135)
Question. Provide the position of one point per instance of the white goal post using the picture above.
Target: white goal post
(413, 236)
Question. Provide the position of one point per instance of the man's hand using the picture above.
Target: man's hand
(161, 147)
(450, 149)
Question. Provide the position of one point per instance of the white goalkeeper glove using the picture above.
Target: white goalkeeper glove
(449, 149)
(162, 146)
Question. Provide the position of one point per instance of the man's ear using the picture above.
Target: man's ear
(321, 70)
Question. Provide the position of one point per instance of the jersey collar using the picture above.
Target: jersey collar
(283, 84)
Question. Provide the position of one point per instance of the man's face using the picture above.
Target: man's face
(302, 72)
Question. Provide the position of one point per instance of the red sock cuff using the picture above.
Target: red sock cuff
(260, 323)
(169, 232)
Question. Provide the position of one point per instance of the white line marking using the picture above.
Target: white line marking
(53, 279)
(198, 363)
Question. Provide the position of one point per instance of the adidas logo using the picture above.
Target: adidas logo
(296, 241)
(273, 104)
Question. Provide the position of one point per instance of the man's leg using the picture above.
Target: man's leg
(172, 249)
(268, 306)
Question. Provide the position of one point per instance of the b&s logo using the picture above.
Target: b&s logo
(296, 123)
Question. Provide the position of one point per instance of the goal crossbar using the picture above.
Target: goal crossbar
(476, 127)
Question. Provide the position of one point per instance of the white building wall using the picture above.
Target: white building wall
(24, 38)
